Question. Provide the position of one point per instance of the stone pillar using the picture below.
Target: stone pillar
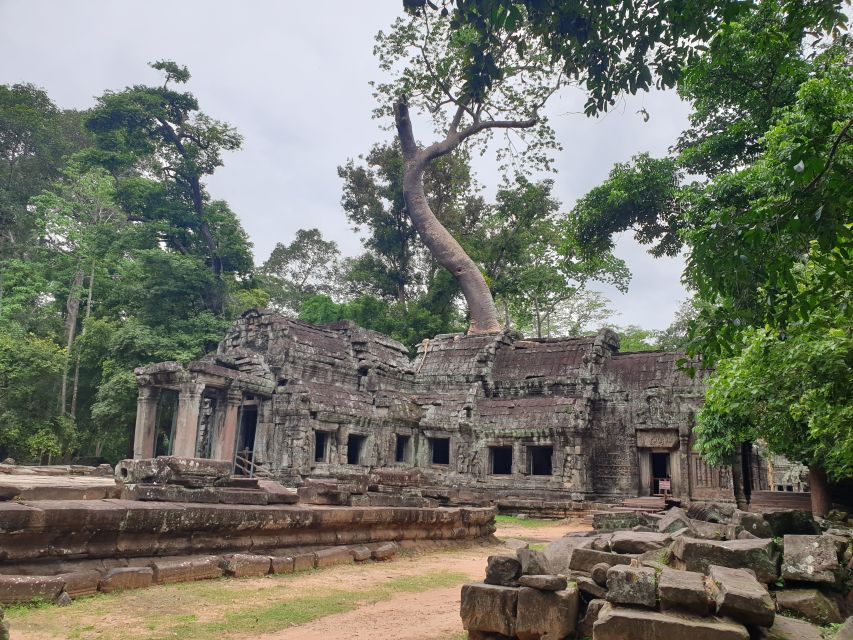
(226, 440)
(186, 427)
(146, 422)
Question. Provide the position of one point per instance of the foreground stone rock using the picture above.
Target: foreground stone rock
(683, 591)
(489, 608)
(589, 587)
(503, 571)
(242, 565)
(810, 559)
(559, 553)
(789, 629)
(697, 555)
(617, 623)
(334, 555)
(168, 571)
(585, 624)
(25, 588)
(546, 615)
(753, 523)
(674, 520)
(384, 551)
(599, 573)
(791, 522)
(632, 585)
(585, 559)
(638, 541)
(79, 584)
(533, 562)
(740, 596)
(124, 578)
(544, 582)
(810, 604)
(846, 630)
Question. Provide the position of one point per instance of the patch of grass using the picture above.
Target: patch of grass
(242, 616)
(528, 523)
(537, 546)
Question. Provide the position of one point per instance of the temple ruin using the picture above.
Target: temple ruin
(488, 417)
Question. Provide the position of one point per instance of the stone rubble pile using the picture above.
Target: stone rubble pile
(735, 575)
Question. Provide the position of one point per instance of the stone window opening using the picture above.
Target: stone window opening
(439, 449)
(402, 449)
(321, 446)
(540, 460)
(355, 448)
(501, 460)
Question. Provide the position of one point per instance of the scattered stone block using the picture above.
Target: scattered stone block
(585, 559)
(123, 578)
(385, 551)
(632, 585)
(304, 561)
(25, 588)
(516, 544)
(589, 587)
(599, 573)
(791, 522)
(593, 609)
(334, 555)
(810, 559)
(758, 555)
(546, 615)
(559, 553)
(489, 608)
(360, 553)
(533, 562)
(63, 599)
(618, 623)
(753, 523)
(638, 541)
(544, 582)
(740, 596)
(278, 493)
(244, 565)
(708, 530)
(810, 604)
(683, 591)
(674, 520)
(79, 584)
(846, 630)
(503, 570)
(789, 629)
(171, 570)
(282, 564)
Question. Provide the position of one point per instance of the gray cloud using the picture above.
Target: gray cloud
(292, 77)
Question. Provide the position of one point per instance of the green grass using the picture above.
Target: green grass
(537, 546)
(528, 523)
(76, 621)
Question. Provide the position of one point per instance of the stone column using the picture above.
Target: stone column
(146, 422)
(226, 440)
(186, 427)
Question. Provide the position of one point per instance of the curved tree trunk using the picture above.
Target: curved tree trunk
(738, 480)
(819, 487)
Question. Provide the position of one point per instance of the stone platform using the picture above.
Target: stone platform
(53, 487)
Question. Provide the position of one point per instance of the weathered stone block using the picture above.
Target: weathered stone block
(791, 522)
(26, 588)
(282, 564)
(360, 553)
(304, 561)
(168, 571)
(334, 555)
(683, 591)
(544, 582)
(616, 623)
(638, 541)
(489, 608)
(516, 544)
(124, 578)
(585, 624)
(242, 565)
(546, 615)
(586, 559)
(533, 562)
(846, 630)
(810, 559)
(697, 555)
(740, 596)
(385, 551)
(810, 604)
(632, 585)
(674, 520)
(754, 523)
(503, 570)
(599, 573)
(789, 629)
(589, 587)
(79, 584)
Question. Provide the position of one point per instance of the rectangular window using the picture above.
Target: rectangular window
(501, 460)
(321, 446)
(541, 460)
(401, 451)
(439, 450)
(355, 446)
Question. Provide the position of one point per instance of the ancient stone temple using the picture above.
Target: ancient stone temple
(470, 417)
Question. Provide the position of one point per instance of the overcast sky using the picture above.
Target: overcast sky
(292, 77)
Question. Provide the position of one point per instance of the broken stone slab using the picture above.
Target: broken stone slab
(533, 562)
(243, 565)
(593, 609)
(79, 584)
(559, 553)
(599, 573)
(810, 558)
(333, 556)
(674, 520)
(282, 564)
(385, 551)
(26, 588)
(169, 570)
(165, 469)
(360, 553)
(758, 555)
(123, 578)
(601, 542)
(515, 544)
(589, 587)
(502, 570)
(741, 597)
(304, 561)
(683, 591)
(632, 585)
(638, 541)
(846, 630)
(810, 604)
(489, 608)
(708, 530)
(585, 559)
(754, 523)
(791, 522)
(619, 623)
(278, 493)
(789, 629)
(543, 582)
(546, 615)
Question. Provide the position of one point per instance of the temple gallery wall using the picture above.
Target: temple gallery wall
(570, 419)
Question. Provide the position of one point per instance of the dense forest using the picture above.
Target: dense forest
(113, 254)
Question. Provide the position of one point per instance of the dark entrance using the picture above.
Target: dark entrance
(501, 461)
(541, 460)
(355, 445)
(321, 442)
(248, 427)
(401, 452)
(439, 450)
(660, 470)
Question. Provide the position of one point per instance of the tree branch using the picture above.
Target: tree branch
(453, 140)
